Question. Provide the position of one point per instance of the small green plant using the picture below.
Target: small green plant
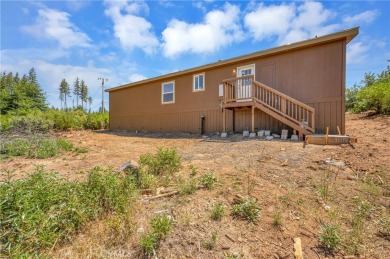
(384, 227)
(218, 211)
(80, 150)
(187, 187)
(329, 237)
(161, 225)
(208, 180)
(165, 162)
(147, 180)
(248, 209)
(277, 220)
(210, 244)
(193, 170)
(325, 185)
(149, 243)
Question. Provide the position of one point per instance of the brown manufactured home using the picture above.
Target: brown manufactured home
(300, 86)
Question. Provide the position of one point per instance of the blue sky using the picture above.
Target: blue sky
(126, 41)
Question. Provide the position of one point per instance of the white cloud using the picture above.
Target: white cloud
(357, 53)
(265, 22)
(289, 23)
(136, 77)
(55, 25)
(132, 31)
(220, 28)
(365, 17)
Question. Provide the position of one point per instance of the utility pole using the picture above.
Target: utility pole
(103, 79)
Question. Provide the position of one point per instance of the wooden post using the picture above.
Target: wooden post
(224, 119)
(327, 133)
(283, 104)
(253, 118)
(313, 125)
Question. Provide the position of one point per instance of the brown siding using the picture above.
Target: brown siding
(314, 75)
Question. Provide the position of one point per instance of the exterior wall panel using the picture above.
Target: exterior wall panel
(313, 75)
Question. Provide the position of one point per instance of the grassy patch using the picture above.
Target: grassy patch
(34, 147)
(44, 210)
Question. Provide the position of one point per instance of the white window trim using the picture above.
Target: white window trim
(247, 66)
(162, 92)
(193, 82)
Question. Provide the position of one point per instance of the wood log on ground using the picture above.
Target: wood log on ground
(163, 195)
(238, 199)
(298, 248)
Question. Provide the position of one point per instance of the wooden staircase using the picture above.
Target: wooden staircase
(245, 91)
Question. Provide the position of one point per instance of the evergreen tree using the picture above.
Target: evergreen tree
(64, 92)
(34, 92)
(90, 103)
(20, 95)
(76, 90)
(83, 93)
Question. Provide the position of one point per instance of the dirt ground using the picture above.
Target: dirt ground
(283, 176)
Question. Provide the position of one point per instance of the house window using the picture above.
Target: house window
(168, 92)
(199, 82)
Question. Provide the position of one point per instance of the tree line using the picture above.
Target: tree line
(21, 94)
(372, 94)
(80, 92)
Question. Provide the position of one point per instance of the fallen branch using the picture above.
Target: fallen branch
(163, 195)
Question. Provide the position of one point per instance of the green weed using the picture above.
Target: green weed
(329, 237)
(149, 243)
(277, 220)
(218, 211)
(165, 162)
(210, 244)
(80, 150)
(187, 187)
(161, 225)
(249, 210)
(208, 180)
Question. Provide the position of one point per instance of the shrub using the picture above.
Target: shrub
(329, 236)
(248, 209)
(218, 211)
(208, 180)
(44, 210)
(165, 162)
(149, 243)
(161, 225)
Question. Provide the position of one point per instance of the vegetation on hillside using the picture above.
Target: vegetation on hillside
(372, 95)
(23, 106)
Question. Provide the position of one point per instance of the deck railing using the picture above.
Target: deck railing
(247, 89)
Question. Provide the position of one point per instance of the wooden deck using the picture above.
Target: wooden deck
(246, 92)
